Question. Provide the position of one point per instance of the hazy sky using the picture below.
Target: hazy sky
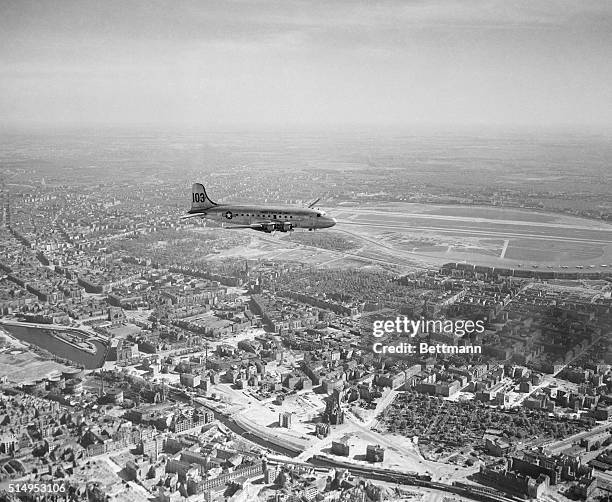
(292, 62)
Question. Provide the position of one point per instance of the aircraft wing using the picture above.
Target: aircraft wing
(262, 226)
(253, 226)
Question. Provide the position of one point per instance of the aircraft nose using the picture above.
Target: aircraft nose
(332, 222)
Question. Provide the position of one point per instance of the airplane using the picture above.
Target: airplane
(259, 218)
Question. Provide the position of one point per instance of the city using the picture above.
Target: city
(305, 251)
(180, 360)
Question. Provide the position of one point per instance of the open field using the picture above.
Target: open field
(270, 247)
(18, 364)
(27, 366)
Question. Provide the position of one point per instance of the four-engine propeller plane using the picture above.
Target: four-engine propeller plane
(261, 218)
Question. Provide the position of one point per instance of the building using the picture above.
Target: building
(284, 419)
(322, 430)
(585, 487)
(334, 415)
(127, 351)
(341, 448)
(189, 380)
(514, 483)
(9, 443)
(496, 446)
(152, 447)
(375, 453)
(271, 472)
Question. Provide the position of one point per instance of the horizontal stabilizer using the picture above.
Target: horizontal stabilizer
(193, 215)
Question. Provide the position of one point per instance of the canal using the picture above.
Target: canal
(36, 336)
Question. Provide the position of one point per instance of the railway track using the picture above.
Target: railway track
(474, 492)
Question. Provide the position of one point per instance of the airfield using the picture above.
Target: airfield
(406, 235)
(488, 236)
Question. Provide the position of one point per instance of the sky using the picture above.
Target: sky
(299, 62)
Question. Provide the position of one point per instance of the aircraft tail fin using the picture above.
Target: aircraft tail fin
(199, 199)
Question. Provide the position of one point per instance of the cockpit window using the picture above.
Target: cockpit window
(318, 214)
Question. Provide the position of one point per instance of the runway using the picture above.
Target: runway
(475, 231)
(489, 236)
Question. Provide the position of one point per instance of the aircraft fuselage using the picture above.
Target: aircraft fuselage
(280, 219)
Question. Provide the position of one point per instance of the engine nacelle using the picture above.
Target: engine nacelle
(277, 226)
